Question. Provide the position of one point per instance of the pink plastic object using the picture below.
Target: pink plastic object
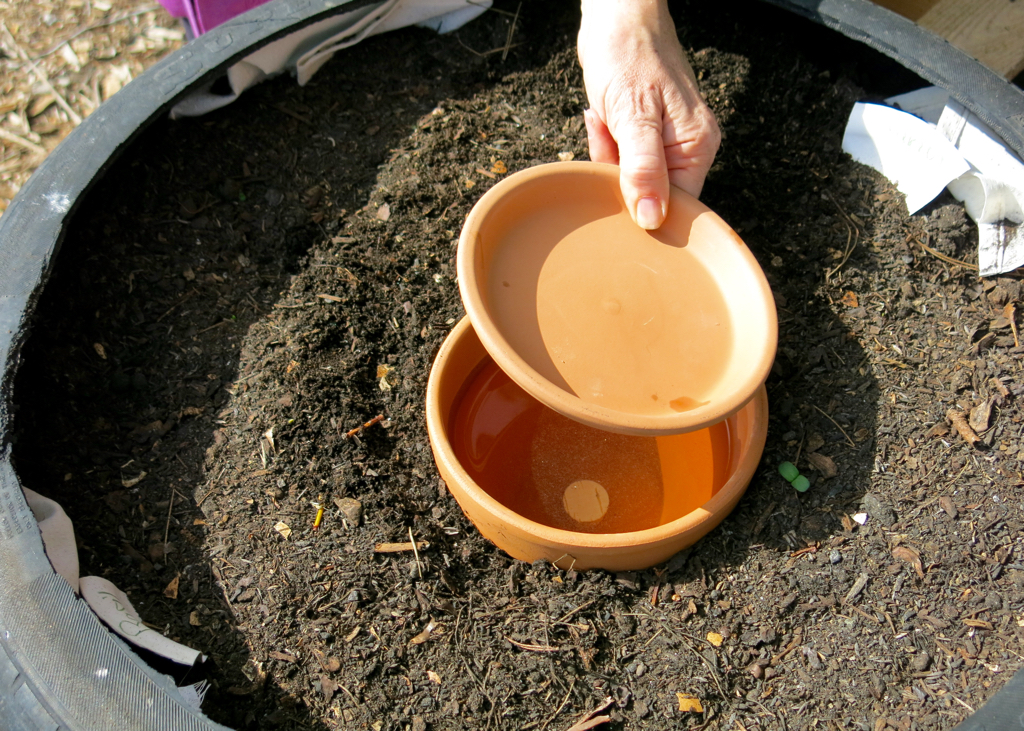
(205, 15)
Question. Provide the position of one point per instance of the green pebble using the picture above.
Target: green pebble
(801, 483)
(789, 471)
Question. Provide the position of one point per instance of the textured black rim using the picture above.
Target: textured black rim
(56, 679)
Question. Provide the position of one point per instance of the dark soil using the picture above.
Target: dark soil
(241, 290)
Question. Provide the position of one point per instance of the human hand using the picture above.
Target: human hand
(646, 114)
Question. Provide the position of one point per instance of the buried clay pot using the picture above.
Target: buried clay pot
(542, 486)
(631, 331)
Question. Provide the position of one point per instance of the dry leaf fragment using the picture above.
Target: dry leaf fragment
(424, 635)
(1010, 313)
(100, 350)
(689, 703)
(715, 639)
(857, 588)
(133, 481)
(905, 553)
(981, 416)
(978, 623)
(433, 677)
(963, 428)
(328, 687)
(283, 656)
(193, 619)
(283, 529)
(171, 591)
(850, 299)
(382, 377)
(946, 503)
(814, 443)
(823, 464)
(499, 167)
(939, 429)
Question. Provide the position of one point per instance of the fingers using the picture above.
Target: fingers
(599, 139)
(643, 177)
(690, 161)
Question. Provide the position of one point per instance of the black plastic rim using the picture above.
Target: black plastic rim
(55, 655)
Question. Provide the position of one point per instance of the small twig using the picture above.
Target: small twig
(560, 706)
(167, 527)
(844, 214)
(851, 232)
(94, 26)
(850, 441)
(400, 547)
(43, 79)
(203, 498)
(580, 608)
(799, 449)
(212, 327)
(488, 8)
(511, 32)
(947, 259)
(22, 142)
(533, 648)
(180, 301)
(483, 54)
(291, 113)
(416, 553)
(375, 420)
(961, 703)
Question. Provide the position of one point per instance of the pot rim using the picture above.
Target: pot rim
(714, 509)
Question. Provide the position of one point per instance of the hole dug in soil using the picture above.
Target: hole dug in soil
(241, 290)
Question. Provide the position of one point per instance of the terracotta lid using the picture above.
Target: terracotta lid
(627, 330)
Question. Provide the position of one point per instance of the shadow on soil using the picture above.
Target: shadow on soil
(136, 341)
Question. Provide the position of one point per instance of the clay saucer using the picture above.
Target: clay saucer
(627, 330)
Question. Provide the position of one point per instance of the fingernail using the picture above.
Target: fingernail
(588, 120)
(649, 214)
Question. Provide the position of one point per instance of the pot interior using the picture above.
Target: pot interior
(563, 474)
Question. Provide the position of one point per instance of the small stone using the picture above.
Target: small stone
(419, 724)
(834, 557)
(921, 662)
(878, 510)
(993, 601)
(351, 510)
(756, 670)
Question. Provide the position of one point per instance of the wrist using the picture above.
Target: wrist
(610, 24)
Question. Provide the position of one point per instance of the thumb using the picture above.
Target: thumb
(644, 174)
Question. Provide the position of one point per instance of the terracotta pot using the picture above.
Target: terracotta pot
(627, 330)
(459, 365)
